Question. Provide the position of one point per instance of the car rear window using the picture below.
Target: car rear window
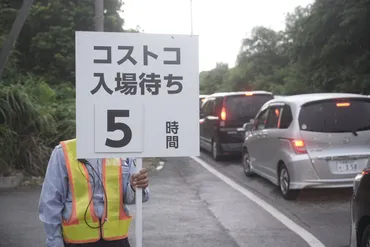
(241, 106)
(201, 100)
(336, 116)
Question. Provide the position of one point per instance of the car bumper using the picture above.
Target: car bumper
(322, 183)
(303, 176)
(231, 147)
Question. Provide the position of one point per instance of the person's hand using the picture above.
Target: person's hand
(140, 180)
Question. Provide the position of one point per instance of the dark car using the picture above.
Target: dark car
(222, 118)
(360, 210)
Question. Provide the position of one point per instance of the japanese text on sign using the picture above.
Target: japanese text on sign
(172, 137)
(128, 83)
(133, 91)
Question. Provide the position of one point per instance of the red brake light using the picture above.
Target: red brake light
(299, 146)
(366, 171)
(343, 104)
(223, 114)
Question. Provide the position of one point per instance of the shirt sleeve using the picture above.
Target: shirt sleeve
(52, 198)
(128, 168)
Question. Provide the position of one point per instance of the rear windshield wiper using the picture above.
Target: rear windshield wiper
(354, 132)
(363, 128)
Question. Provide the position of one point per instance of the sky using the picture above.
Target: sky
(221, 25)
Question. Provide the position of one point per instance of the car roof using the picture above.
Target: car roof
(222, 94)
(203, 95)
(301, 99)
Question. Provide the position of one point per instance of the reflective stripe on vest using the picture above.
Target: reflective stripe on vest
(75, 230)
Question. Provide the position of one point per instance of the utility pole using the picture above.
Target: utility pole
(191, 17)
(99, 15)
(9, 43)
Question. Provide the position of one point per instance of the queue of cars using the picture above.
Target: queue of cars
(317, 140)
(297, 142)
(222, 117)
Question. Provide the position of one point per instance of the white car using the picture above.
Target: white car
(309, 141)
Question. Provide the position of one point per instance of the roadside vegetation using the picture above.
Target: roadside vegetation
(37, 95)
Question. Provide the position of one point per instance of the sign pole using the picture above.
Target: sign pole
(191, 17)
(99, 15)
(139, 209)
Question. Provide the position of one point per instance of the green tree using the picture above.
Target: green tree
(46, 42)
(325, 47)
(37, 94)
(212, 81)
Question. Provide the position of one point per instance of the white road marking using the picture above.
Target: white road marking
(304, 234)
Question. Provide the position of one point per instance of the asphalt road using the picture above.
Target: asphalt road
(188, 207)
(324, 213)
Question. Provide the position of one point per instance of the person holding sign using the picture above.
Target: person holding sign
(83, 202)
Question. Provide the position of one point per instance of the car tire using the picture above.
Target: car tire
(365, 241)
(246, 162)
(216, 151)
(284, 184)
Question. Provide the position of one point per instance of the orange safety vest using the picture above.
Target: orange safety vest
(75, 230)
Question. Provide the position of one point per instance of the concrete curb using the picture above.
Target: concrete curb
(11, 182)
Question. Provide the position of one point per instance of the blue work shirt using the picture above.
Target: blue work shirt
(56, 199)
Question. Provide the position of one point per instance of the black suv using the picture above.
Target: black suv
(222, 118)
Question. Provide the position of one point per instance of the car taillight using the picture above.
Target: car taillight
(223, 114)
(366, 171)
(299, 146)
(343, 104)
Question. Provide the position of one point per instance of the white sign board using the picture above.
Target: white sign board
(137, 95)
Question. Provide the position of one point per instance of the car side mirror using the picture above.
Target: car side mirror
(247, 127)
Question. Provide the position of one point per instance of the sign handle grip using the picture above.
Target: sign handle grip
(139, 209)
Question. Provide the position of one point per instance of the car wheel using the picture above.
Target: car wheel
(284, 184)
(247, 164)
(215, 151)
(365, 241)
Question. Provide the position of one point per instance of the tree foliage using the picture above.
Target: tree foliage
(37, 94)
(324, 48)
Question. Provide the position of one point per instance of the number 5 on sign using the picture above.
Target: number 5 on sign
(119, 129)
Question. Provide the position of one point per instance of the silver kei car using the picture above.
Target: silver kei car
(309, 141)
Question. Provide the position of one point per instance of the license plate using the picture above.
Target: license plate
(346, 166)
(232, 132)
